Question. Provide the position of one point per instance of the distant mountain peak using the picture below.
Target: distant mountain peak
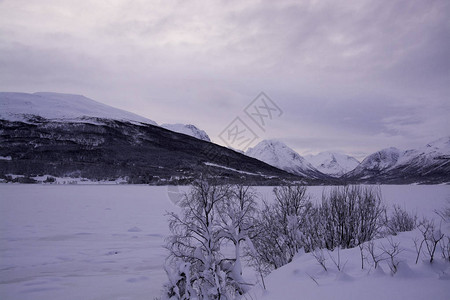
(188, 129)
(278, 154)
(333, 164)
(424, 164)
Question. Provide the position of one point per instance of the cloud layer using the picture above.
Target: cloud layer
(353, 76)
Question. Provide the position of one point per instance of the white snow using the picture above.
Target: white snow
(383, 159)
(279, 155)
(390, 158)
(105, 242)
(427, 154)
(331, 163)
(304, 278)
(82, 241)
(60, 107)
(228, 168)
(188, 129)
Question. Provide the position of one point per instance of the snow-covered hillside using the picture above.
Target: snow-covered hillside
(426, 155)
(60, 107)
(356, 278)
(277, 154)
(304, 278)
(188, 129)
(432, 161)
(333, 164)
(380, 160)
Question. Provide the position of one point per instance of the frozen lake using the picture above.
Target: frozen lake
(105, 242)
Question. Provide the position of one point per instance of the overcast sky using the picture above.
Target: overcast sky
(350, 76)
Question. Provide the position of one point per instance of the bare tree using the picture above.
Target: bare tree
(195, 257)
(237, 225)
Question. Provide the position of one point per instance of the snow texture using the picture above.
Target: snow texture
(188, 129)
(304, 276)
(391, 158)
(333, 164)
(60, 108)
(277, 154)
(73, 242)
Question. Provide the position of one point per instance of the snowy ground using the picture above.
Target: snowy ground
(104, 242)
(82, 241)
(305, 278)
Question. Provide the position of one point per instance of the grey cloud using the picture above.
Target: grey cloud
(358, 69)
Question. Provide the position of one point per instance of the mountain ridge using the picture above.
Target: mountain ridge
(106, 144)
(278, 154)
(332, 163)
(59, 107)
(427, 164)
(188, 129)
(42, 132)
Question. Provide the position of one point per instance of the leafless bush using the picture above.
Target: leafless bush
(351, 215)
(445, 248)
(418, 243)
(337, 260)
(400, 221)
(391, 251)
(431, 237)
(279, 229)
(373, 255)
(363, 257)
(444, 213)
(318, 255)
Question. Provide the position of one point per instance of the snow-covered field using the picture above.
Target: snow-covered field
(105, 242)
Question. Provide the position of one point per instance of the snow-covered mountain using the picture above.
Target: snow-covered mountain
(333, 164)
(279, 155)
(380, 160)
(430, 163)
(60, 108)
(188, 129)
(73, 136)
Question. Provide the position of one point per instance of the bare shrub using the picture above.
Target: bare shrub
(444, 213)
(337, 260)
(391, 251)
(431, 237)
(351, 215)
(318, 255)
(279, 233)
(375, 257)
(400, 221)
(363, 257)
(445, 248)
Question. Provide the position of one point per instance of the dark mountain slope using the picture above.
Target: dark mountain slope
(108, 149)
